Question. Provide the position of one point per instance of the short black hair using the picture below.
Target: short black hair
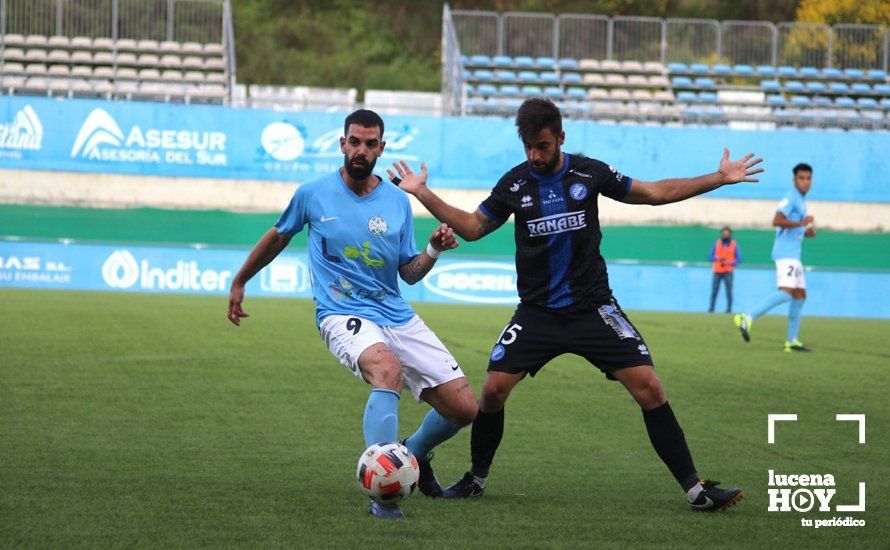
(802, 167)
(535, 114)
(365, 118)
(727, 228)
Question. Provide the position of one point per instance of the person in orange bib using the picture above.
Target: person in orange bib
(724, 257)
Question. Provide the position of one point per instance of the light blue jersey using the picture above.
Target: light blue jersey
(356, 245)
(789, 239)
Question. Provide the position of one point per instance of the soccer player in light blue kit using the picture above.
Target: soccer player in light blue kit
(792, 226)
(361, 238)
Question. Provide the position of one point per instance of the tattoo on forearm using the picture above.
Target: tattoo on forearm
(416, 270)
(488, 226)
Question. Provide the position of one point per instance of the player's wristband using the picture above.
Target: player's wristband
(432, 252)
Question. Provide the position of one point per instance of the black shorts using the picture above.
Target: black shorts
(603, 335)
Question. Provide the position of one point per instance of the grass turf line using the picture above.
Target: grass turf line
(147, 420)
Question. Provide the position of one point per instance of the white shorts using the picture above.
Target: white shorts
(426, 363)
(789, 273)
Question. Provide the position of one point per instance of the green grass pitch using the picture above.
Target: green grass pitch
(150, 421)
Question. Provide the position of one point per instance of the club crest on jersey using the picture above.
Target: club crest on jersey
(578, 191)
(526, 201)
(516, 185)
(557, 223)
(377, 225)
(497, 353)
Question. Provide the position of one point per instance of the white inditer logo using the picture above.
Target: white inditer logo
(24, 132)
(98, 128)
(120, 269)
(282, 141)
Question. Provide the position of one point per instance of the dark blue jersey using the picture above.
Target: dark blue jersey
(557, 230)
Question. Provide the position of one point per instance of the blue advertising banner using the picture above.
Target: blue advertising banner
(453, 280)
(157, 139)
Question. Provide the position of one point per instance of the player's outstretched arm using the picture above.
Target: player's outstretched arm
(264, 251)
(441, 240)
(679, 189)
(469, 226)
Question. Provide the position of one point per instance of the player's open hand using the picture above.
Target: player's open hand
(236, 313)
(739, 170)
(407, 179)
(443, 238)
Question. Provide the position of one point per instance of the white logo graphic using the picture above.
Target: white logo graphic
(24, 132)
(476, 282)
(580, 174)
(557, 223)
(101, 138)
(643, 349)
(618, 175)
(33, 269)
(526, 201)
(282, 141)
(122, 270)
(552, 198)
(516, 185)
(323, 219)
(377, 225)
(286, 276)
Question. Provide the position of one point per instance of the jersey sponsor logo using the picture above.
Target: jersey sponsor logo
(618, 175)
(526, 201)
(557, 223)
(497, 353)
(578, 191)
(580, 174)
(33, 269)
(323, 219)
(24, 133)
(552, 198)
(474, 282)
(517, 184)
(353, 253)
(377, 225)
(343, 289)
(101, 139)
(121, 270)
(613, 317)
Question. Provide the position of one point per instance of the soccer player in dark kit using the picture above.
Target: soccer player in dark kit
(566, 304)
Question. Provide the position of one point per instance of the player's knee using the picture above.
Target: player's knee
(494, 396)
(465, 413)
(382, 370)
(650, 394)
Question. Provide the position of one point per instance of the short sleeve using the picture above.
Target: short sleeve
(786, 207)
(611, 182)
(407, 246)
(496, 206)
(295, 215)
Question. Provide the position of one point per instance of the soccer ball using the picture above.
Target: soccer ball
(387, 472)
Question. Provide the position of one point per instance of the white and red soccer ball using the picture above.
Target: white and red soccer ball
(387, 472)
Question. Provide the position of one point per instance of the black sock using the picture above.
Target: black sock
(670, 444)
(488, 429)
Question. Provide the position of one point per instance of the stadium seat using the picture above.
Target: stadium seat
(714, 112)
(36, 41)
(699, 68)
(872, 115)
(528, 76)
(545, 62)
(524, 61)
(838, 87)
(594, 78)
(589, 65)
(509, 90)
(567, 63)
(775, 100)
(653, 67)
(12, 68)
(659, 81)
(149, 74)
(13, 39)
(213, 64)
(610, 65)
(786, 71)
(597, 93)
(638, 81)
(677, 67)
(502, 61)
(35, 56)
(815, 86)
(882, 89)
(832, 72)
(122, 44)
(707, 97)
(14, 54)
(486, 89)
(82, 57)
(794, 86)
(631, 66)
(845, 102)
(876, 74)
(854, 73)
(505, 76)
(197, 48)
(480, 74)
(800, 101)
(766, 70)
(171, 47)
(692, 111)
(703, 82)
(860, 88)
(576, 92)
(572, 78)
(663, 95)
(58, 56)
(809, 72)
(743, 70)
(687, 96)
(553, 92)
(681, 82)
(213, 48)
(477, 60)
(35, 69)
(822, 101)
(721, 69)
(148, 60)
(867, 103)
(619, 94)
(61, 71)
(770, 85)
(549, 77)
(105, 44)
(641, 95)
(885, 102)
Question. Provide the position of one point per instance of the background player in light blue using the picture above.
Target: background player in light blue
(361, 239)
(792, 224)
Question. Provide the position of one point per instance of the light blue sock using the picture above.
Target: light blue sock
(776, 298)
(381, 422)
(794, 318)
(434, 429)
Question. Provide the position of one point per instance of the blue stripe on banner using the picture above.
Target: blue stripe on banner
(559, 245)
